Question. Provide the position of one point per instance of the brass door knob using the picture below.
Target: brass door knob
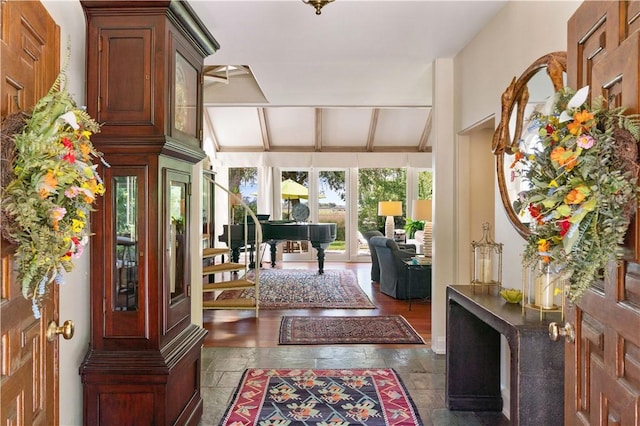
(556, 331)
(66, 330)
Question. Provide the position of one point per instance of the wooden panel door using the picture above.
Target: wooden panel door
(30, 51)
(602, 365)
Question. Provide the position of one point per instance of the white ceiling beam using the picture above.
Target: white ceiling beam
(318, 126)
(424, 139)
(264, 129)
(209, 126)
(372, 129)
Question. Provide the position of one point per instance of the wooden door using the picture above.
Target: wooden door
(602, 365)
(30, 61)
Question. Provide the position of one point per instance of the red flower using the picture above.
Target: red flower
(67, 143)
(69, 157)
(534, 211)
(564, 226)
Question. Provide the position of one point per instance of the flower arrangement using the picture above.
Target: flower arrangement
(54, 185)
(580, 167)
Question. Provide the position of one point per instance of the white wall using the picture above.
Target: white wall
(74, 295)
(503, 50)
(520, 33)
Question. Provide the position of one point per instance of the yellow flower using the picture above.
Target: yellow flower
(553, 184)
(543, 245)
(77, 225)
(85, 149)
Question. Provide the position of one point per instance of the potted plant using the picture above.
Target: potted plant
(411, 226)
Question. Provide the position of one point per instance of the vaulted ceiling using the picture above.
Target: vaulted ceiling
(357, 78)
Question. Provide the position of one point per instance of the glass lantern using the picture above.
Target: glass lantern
(543, 289)
(487, 263)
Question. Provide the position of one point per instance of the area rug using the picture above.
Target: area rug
(302, 289)
(392, 329)
(321, 397)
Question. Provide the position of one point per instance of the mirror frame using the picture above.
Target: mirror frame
(516, 97)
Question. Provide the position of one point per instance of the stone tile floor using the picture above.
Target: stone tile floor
(421, 370)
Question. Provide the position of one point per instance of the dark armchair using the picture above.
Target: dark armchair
(394, 276)
(375, 267)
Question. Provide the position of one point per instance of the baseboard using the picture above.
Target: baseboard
(439, 345)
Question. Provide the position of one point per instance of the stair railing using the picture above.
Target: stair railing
(235, 200)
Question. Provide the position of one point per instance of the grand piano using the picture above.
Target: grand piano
(320, 235)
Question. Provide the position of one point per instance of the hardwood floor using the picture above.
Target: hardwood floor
(237, 328)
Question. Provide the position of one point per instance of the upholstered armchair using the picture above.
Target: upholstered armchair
(394, 276)
(375, 267)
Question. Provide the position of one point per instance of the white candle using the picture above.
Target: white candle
(544, 290)
(485, 271)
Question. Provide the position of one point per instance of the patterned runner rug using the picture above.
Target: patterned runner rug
(302, 289)
(393, 329)
(321, 397)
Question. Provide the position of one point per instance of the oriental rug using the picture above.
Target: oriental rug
(372, 397)
(303, 289)
(389, 329)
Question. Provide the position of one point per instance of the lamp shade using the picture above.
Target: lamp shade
(390, 208)
(421, 210)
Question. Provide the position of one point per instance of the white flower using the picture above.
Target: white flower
(70, 118)
(579, 98)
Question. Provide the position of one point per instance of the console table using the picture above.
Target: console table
(474, 325)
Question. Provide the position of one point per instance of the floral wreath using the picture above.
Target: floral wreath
(46, 206)
(580, 164)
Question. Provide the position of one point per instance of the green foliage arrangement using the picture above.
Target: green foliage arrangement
(55, 183)
(411, 226)
(581, 168)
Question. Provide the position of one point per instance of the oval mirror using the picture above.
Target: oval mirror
(537, 83)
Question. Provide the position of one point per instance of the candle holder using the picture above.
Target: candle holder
(543, 289)
(487, 263)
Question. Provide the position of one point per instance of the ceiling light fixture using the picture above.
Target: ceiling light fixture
(318, 4)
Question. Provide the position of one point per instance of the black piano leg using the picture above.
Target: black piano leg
(320, 261)
(252, 263)
(235, 255)
(273, 254)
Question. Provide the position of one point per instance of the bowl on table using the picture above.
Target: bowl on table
(511, 295)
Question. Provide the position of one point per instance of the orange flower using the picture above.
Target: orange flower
(85, 149)
(518, 156)
(564, 158)
(50, 180)
(557, 154)
(571, 162)
(575, 196)
(582, 122)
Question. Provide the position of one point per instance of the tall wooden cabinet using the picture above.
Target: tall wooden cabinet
(144, 74)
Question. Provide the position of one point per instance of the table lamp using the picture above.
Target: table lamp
(421, 210)
(389, 209)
